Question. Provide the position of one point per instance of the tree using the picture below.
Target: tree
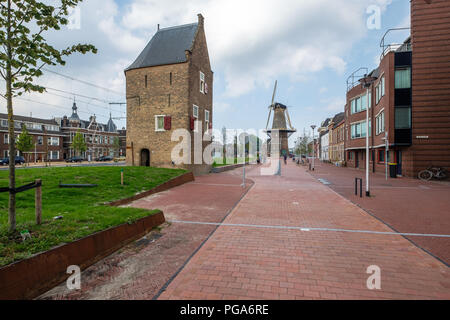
(78, 143)
(116, 145)
(23, 53)
(224, 140)
(24, 142)
(303, 146)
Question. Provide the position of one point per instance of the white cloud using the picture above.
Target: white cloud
(254, 41)
(334, 104)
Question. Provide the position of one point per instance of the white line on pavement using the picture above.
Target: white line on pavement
(313, 229)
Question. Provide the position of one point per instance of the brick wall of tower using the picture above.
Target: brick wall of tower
(159, 96)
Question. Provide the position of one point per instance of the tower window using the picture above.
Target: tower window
(171, 78)
(146, 82)
(202, 82)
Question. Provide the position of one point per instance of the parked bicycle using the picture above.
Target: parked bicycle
(433, 172)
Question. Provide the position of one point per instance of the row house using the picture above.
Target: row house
(52, 138)
(100, 138)
(337, 139)
(46, 134)
(324, 138)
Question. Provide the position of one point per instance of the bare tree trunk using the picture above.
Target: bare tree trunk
(12, 146)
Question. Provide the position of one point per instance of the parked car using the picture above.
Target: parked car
(18, 160)
(104, 158)
(120, 159)
(75, 159)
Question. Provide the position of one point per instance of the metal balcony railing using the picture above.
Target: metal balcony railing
(389, 47)
(353, 79)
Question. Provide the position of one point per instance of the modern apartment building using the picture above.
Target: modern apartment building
(410, 100)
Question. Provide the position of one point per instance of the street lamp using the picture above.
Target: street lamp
(366, 82)
(313, 127)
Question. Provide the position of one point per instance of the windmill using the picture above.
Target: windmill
(280, 128)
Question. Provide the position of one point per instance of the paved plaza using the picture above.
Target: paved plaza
(282, 237)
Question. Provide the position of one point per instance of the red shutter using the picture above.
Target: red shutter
(192, 123)
(167, 123)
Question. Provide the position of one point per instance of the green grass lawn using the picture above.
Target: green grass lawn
(83, 210)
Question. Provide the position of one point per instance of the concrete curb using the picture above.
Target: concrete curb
(175, 182)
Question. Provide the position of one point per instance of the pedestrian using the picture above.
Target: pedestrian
(285, 158)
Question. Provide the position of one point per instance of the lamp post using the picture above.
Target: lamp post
(366, 82)
(386, 150)
(313, 127)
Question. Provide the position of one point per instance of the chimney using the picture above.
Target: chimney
(201, 20)
(158, 26)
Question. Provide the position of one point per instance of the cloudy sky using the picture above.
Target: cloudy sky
(309, 46)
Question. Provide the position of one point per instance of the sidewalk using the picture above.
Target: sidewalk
(407, 205)
(255, 255)
(141, 269)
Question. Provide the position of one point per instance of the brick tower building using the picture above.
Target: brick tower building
(169, 87)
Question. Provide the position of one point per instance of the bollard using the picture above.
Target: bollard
(121, 177)
(360, 187)
(38, 201)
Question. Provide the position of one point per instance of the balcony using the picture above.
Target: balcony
(388, 46)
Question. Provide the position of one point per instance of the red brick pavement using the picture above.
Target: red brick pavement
(241, 262)
(407, 205)
(141, 269)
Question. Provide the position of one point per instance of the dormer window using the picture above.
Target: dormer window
(202, 82)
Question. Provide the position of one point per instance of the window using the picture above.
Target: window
(381, 154)
(146, 81)
(195, 115)
(6, 139)
(6, 154)
(359, 129)
(206, 120)
(350, 155)
(202, 82)
(5, 123)
(403, 78)
(53, 141)
(40, 140)
(380, 123)
(383, 86)
(53, 155)
(159, 123)
(360, 103)
(170, 78)
(403, 118)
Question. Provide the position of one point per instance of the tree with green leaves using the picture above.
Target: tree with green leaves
(24, 52)
(116, 145)
(24, 142)
(303, 145)
(78, 143)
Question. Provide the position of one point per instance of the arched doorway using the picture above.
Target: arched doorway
(145, 158)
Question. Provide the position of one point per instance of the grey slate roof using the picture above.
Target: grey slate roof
(111, 126)
(167, 46)
(338, 119)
